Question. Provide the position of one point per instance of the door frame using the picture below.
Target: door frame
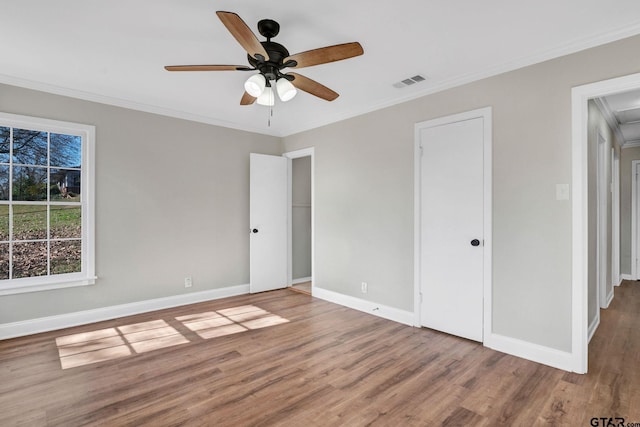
(487, 277)
(635, 164)
(615, 217)
(305, 152)
(602, 232)
(580, 96)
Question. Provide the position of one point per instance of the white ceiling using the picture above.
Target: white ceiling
(114, 51)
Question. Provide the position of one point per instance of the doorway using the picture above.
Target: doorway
(635, 220)
(581, 96)
(301, 219)
(453, 224)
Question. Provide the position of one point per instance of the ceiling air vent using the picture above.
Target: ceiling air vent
(410, 81)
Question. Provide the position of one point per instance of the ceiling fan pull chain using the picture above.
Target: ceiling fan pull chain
(271, 110)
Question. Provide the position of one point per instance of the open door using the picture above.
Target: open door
(268, 223)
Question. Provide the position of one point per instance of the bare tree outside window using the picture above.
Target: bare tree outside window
(40, 195)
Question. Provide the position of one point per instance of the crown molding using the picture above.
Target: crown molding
(126, 103)
(631, 144)
(611, 120)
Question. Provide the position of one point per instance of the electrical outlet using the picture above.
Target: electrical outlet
(364, 287)
(188, 282)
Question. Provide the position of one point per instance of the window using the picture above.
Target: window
(46, 204)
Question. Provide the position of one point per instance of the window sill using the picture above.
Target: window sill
(31, 285)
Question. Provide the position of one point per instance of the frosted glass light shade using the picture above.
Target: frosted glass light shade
(266, 98)
(286, 90)
(255, 85)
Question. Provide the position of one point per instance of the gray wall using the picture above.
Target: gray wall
(172, 199)
(364, 192)
(627, 156)
(301, 217)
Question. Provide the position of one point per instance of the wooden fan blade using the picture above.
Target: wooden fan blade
(313, 87)
(207, 68)
(247, 99)
(242, 33)
(327, 54)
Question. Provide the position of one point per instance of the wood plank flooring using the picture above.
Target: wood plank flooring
(305, 288)
(286, 359)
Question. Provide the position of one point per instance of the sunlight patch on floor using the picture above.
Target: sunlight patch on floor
(229, 321)
(112, 343)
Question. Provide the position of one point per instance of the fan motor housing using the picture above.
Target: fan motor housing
(277, 53)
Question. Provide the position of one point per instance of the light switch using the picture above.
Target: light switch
(562, 191)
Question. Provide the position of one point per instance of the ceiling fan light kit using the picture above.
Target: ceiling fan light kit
(266, 98)
(270, 59)
(286, 90)
(255, 85)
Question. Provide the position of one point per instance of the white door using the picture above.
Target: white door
(267, 223)
(451, 228)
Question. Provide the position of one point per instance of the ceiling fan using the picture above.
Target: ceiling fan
(270, 59)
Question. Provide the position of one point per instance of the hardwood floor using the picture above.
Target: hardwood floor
(286, 359)
(304, 288)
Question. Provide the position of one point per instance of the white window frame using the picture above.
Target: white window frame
(87, 274)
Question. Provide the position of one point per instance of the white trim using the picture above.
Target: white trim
(87, 275)
(593, 326)
(130, 104)
(631, 144)
(579, 261)
(417, 225)
(534, 352)
(488, 222)
(486, 115)
(305, 152)
(390, 313)
(601, 218)
(625, 277)
(603, 106)
(301, 280)
(580, 96)
(608, 298)
(64, 281)
(635, 165)
(51, 323)
(615, 217)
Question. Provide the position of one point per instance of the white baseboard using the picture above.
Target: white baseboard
(625, 277)
(609, 298)
(526, 350)
(380, 310)
(534, 352)
(301, 280)
(51, 323)
(593, 326)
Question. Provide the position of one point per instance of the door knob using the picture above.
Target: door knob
(255, 230)
(475, 242)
